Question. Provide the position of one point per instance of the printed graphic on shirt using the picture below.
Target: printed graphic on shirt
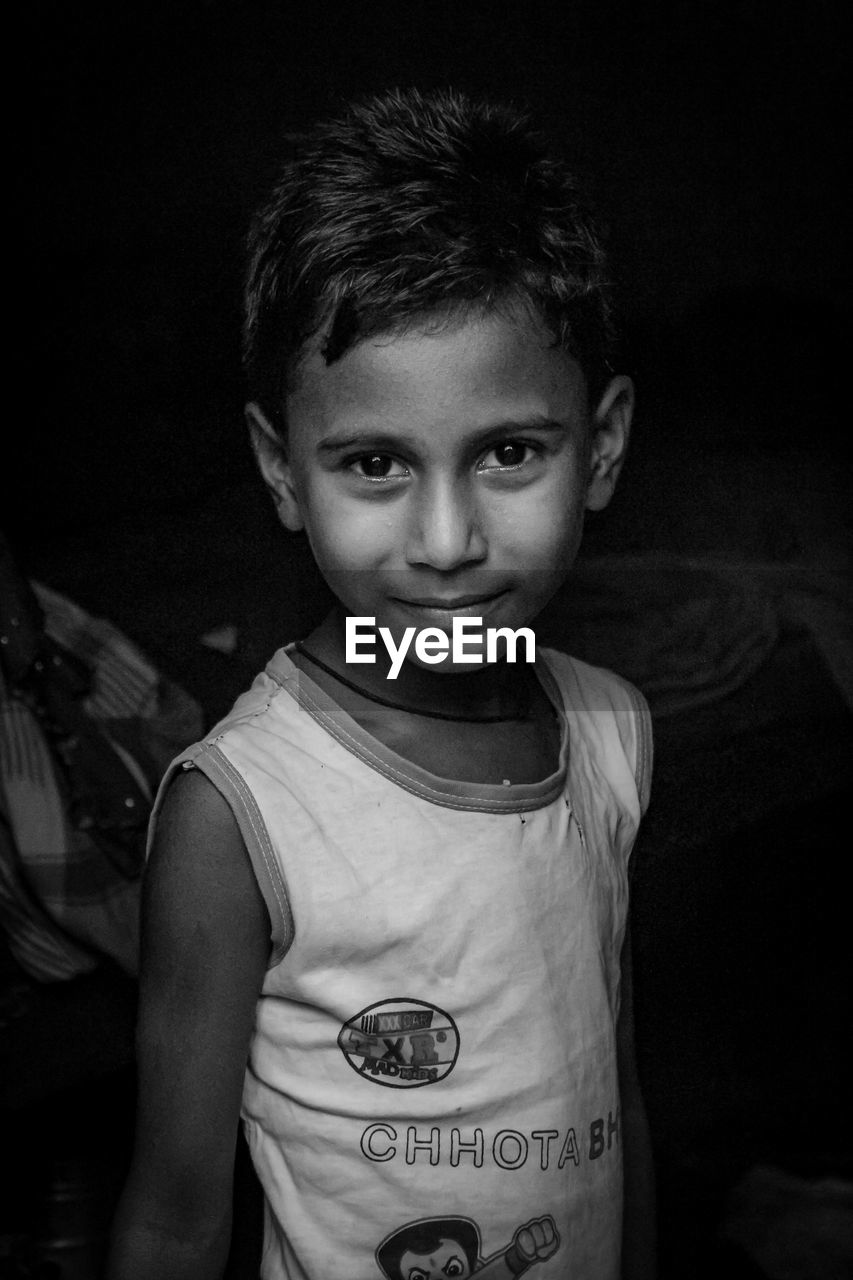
(401, 1043)
(439, 1248)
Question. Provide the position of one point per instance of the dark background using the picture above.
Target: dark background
(711, 134)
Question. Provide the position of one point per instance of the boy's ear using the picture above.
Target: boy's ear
(609, 432)
(271, 456)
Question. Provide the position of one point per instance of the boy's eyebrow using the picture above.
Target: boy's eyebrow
(367, 439)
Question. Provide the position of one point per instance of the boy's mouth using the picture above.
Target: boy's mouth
(441, 610)
(449, 603)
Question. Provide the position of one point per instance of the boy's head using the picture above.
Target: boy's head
(431, 1249)
(414, 208)
(428, 336)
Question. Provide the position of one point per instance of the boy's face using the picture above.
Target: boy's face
(448, 1260)
(446, 474)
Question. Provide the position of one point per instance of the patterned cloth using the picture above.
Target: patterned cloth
(87, 726)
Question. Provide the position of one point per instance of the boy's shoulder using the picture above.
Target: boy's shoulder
(592, 684)
(259, 707)
(259, 699)
(603, 707)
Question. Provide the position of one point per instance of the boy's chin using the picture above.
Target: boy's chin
(447, 667)
(478, 661)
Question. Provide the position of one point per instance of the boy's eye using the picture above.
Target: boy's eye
(512, 453)
(377, 466)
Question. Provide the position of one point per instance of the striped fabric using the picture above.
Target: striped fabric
(84, 739)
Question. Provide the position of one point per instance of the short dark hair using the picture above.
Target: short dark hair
(424, 1237)
(412, 206)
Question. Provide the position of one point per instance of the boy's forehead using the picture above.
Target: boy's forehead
(437, 1256)
(490, 364)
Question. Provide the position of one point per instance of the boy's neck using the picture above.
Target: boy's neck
(500, 689)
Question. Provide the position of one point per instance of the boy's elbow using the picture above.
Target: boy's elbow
(168, 1236)
(148, 1252)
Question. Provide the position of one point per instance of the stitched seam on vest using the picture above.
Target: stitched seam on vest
(413, 785)
(646, 741)
(219, 762)
(642, 720)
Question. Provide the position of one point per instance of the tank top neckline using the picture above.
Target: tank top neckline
(480, 797)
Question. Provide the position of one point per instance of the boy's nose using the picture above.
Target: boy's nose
(445, 530)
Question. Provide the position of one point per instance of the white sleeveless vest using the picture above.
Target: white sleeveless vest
(432, 1088)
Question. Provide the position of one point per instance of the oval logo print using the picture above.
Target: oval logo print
(401, 1043)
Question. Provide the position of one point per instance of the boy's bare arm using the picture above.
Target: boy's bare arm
(206, 937)
(639, 1237)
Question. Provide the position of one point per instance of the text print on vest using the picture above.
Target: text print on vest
(401, 1043)
(508, 1149)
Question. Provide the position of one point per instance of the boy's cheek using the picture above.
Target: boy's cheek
(342, 539)
(547, 536)
(346, 563)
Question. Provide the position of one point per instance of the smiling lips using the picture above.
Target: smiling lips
(438, 611)
(448, 605)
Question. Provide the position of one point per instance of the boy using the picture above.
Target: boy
(405, 899)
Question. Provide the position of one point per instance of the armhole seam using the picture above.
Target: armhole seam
(643, 763)
(220, 772)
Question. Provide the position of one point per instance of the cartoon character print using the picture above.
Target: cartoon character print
(441, 1248)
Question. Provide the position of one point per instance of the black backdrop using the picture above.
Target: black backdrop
(711, 131)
